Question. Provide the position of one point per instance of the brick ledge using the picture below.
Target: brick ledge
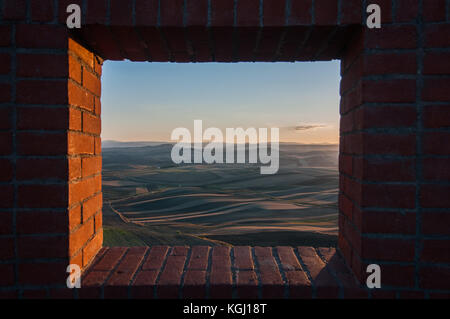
(219, 272)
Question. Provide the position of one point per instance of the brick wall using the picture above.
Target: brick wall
(394, 156)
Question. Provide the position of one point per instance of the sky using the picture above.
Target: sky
(143, 101)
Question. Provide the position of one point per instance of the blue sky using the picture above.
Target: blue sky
(144, 101)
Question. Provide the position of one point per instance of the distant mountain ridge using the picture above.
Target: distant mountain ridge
(120, 144)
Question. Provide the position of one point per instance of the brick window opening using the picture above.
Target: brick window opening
(393, 156)
(150, 200)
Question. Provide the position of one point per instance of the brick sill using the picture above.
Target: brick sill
(219, 272)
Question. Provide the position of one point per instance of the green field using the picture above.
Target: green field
(149, 200)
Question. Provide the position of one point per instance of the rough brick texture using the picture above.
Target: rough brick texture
(394, 151)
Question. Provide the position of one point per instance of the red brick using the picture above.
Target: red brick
(434, 277)
(5, 223)
(170, 278)
(407, 10)
(171, 12)
(7, 251)
(74, 168)
(38, 168)
(74, 217)
(436, 116)
(274, 12)
(42, 222)
(220, 277)
(351, 12)
(98, 146)
(7, 277)
(388, 249)
(247, 284)
(222, 13)
(388, 196)
(433, 35)
(5, 61)
(146, 12)
(91, 166)
(80, 97)
(436, 223)
(194, 285)
(399, 223)
(5, 35)
(434, 196)
(5, 92)
(42, 247)
(42, 65)
(42, 92)
(121, 12)
(6, 173)
(156, 258)
(436, 169)
(326, 12)
(197, 13)
(436, 63)
(42, 10)
(401, 144)
(271, 280)
(117, 284)
(300, 12)
(42, 273)
(436, 143)
(98, 220)
(199, 258)
(41, 36)
(299, 285)
(42, 196)
(92, 206)
(435, 250)
(434, 10)
(326, 285)
(80, 144)
(79, 191)
(40, 118)
(387, 170)
(85, 55)
(288, 259)
(96, 11)
(397, 275)
(110, 259)
(91, 124)
(41, 143)
(14, 9)
(388, 63)
(5, 118)
(399, 91)
(248, 13)
(436, 90)
(392, 37)
(243, 258)
(80, 237)
(385, 116)
(74, 70)
(143, 285)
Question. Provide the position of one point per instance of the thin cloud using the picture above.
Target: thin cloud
(308, 127)
(303, 127)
